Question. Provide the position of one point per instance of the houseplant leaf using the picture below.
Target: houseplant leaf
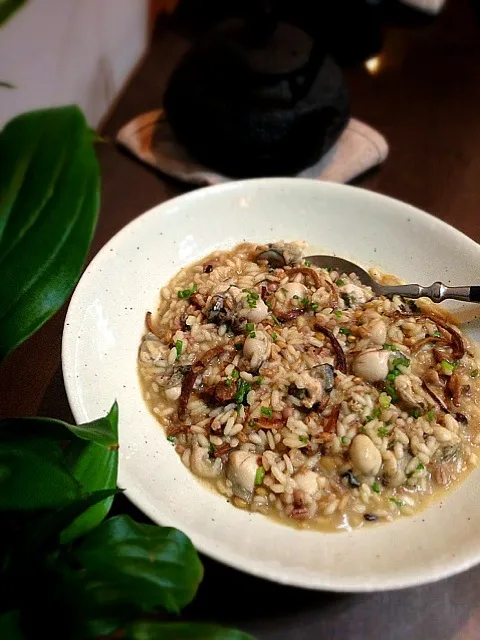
(95, 466)
(151, 630)
(8, 7)
(151, 566)
(49, 199)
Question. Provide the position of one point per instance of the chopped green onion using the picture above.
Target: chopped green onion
(171, 439)
(431, 415)
(259, 380)
(437, 334)
(416, 412)
(340, 282)
(238, 346)
(389, 347)
(400, 362)
(392, 375)
(384, 400)
(338, 314)
(314, 306)
(329, 269)
(392, 393)
(276, 320)
(266, 411)
(369, 418)
(252, 423)
(474, 373)
(243, 390)
(376, 487)
(186, 293)
(179, 348)
(345, 331)
(252, 334)
(419, 467)
(259, 475)
(382, 432)
(250, 327)
(344, 440)
(308, 263)
(274, 337)
(447, 367)
(235, 374)
(211, 448)
(303, 439)
(304, 302)
(252, 297)
(228, 382)
(399, 503)
(376, 413)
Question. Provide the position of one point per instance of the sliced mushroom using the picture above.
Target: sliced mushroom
(327, 375)
(372, 365)
(241, 471)
(274, 258)
(202, 465)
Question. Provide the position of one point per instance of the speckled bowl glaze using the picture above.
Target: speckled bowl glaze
(102, 333)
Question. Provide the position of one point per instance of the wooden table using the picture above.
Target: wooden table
(426, 100)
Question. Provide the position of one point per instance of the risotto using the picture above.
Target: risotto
(297, 392)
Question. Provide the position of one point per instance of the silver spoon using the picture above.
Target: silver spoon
(436, 292)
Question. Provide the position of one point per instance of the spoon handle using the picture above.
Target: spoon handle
(436, 292)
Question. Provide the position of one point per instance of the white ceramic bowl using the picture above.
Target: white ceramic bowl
(102, 333)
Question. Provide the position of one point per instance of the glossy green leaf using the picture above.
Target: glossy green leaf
(181, 631)
(103, 431)
(10, 626)
(153, 566)
(49, 199)
(34, 476)
(8, 7)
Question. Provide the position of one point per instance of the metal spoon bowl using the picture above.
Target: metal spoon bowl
(436, 292)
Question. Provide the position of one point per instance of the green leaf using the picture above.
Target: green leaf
(153, 566)
(103, 431)
(33, 476)
(49, 199)
(10, 626)
(181, 631)
(8, 7)
(43, 533)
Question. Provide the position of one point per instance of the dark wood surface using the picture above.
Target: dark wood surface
(426, 100)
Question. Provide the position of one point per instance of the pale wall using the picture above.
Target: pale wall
(70, 51)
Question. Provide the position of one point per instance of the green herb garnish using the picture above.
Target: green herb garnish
(392, 393)
(252, 297)
(416, 412)
(186, 293)
(338, 314)
(303, 439)
(345, 331)
(314, 306)
(238, 346)
(171, 439)
(377, 412)
(399, 503)
(211, 448)
(243, 389)
(304, 302)
(276, 320)
(474, 373)
(259, 475)
(344, 440)
(228, 382)
(259, 380)
(383, 431)
(235, 374)
(400, 362)
(447, 367)
(274, 337)
(389, 347)
(430, 415)
(376, 487)
(384, 400)
(436, 334)
(340, 282)
(179, 348)
(266, 411)
(419, 467)
(308, 263)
